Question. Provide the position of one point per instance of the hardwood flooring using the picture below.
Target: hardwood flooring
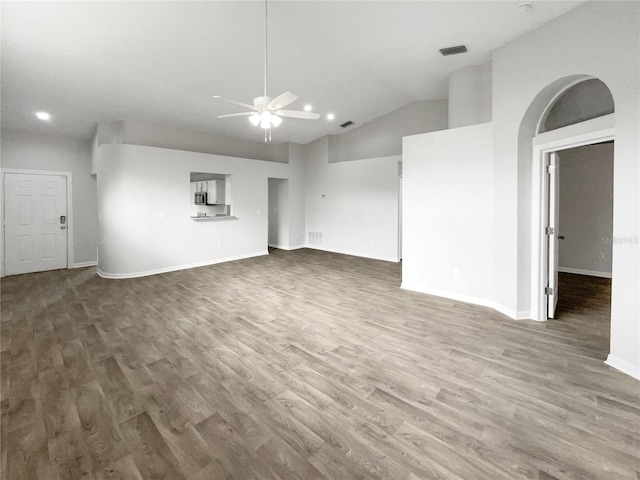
(304, 365)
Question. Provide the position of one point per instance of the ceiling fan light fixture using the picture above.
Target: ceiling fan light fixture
(265, 119)
(267, 112)
(255, 119)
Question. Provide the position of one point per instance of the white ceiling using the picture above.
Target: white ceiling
(88, 62)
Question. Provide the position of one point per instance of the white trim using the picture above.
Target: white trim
(584, 133)
(69, 182)
(146, 273)
(590, 273)
(282, 247)
(466, 299)
(85, 264)
(354, 254)
(623, 366)
(34, 172)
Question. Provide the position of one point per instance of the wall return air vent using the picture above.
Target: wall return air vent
(315, 238)
(458, 49)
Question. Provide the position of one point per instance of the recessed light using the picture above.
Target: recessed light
(43, 116)
(308, 108)
(330, 116)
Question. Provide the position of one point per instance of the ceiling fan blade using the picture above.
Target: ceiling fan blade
(243, 114)
(246, 105)
(298, 114)
(282, 101)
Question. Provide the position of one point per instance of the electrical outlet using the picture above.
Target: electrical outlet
(456, 273)
(601, 255)
(162, 215)
(220, 245)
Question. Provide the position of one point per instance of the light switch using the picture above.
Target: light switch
(162, 215)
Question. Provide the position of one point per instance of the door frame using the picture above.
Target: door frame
(400, 186)
(69, 178)
(553, 245)
(597, 130)
(287, 243)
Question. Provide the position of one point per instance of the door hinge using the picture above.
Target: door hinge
(551, 168)
(549, 230)
(548, 291)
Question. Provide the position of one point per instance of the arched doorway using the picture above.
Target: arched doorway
(572, 112)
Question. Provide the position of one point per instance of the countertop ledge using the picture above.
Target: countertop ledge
(222, 217)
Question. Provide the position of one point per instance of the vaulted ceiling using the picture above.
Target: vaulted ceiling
(161, 62)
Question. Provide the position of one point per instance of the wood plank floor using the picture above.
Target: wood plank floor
(304, 365)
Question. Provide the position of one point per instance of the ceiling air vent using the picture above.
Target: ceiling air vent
(458, 49)
(347, 124)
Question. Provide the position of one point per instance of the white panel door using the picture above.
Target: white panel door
(35, 223)
(553, 236)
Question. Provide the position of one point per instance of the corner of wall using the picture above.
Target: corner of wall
(623, 366)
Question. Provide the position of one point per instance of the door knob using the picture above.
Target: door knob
(63, 227)
(561, 237)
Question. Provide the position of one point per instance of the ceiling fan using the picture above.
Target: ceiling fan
(267, 112)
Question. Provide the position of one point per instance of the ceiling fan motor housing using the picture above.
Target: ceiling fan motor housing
(261, 102)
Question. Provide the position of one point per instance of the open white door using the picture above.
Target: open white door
(553, 234)
(35, 222)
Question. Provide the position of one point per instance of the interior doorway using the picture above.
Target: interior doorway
(36, 221)
(546, 233)
(581, 210)
(278, 213)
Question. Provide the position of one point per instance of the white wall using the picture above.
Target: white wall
(144, 209)
(448, 225)
(94, 152)
(470, 95)
(54, 153)
(354, 204)
(382, 137)
(586, 209)
(278, 213)
(296, 196)
(164, 136)
(526, 74)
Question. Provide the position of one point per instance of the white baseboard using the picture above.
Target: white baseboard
(282, 247)
(591, 273)
(624, 366)
(174, 268)
(354, 254)
(483, 302)
(85, 264)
